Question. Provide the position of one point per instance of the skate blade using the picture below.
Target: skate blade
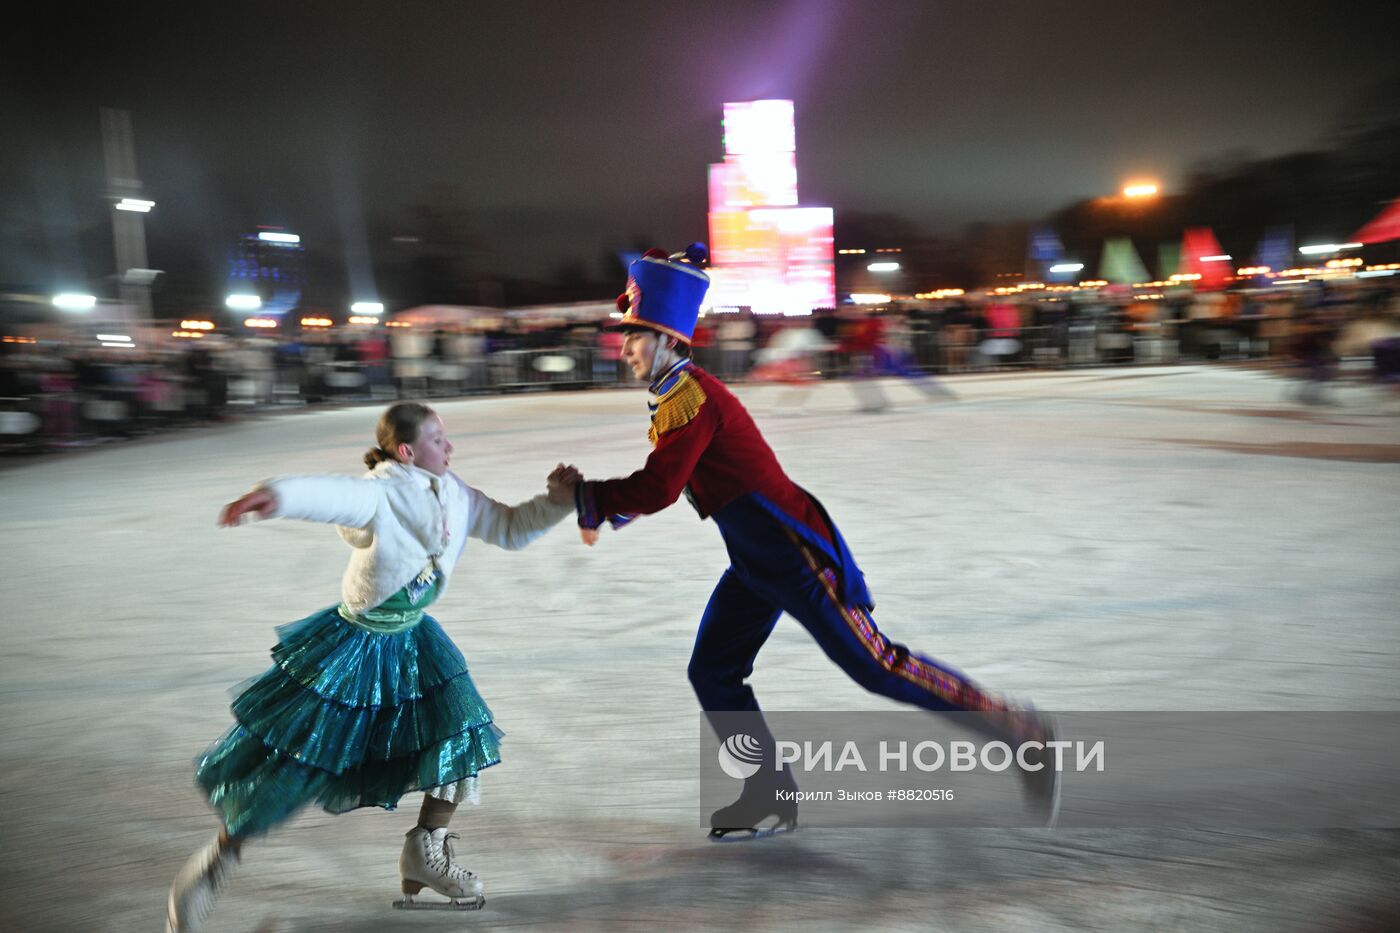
(458, 903)
(751, 834)
(1052, 810)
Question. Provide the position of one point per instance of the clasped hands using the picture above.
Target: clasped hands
(561, 483)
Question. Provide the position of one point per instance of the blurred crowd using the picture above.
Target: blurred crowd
(68, 392)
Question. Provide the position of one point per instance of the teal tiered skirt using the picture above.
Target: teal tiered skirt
(348, 717)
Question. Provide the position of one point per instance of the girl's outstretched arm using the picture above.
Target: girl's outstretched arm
(329, 499)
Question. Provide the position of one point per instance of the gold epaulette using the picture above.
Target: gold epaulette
(677, 407)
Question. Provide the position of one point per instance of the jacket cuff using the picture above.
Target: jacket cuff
(586, 506)
(280, 500)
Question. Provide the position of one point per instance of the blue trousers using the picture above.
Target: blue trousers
(772, 571)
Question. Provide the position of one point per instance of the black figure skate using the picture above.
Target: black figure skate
(765, 795)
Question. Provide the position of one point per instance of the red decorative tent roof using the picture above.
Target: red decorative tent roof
(1383, 228)
(1198, 243)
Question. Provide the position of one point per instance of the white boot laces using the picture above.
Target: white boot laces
(450, 857)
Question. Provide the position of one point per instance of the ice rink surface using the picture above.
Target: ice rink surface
(1145, 539)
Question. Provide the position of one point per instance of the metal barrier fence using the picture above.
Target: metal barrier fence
(1087, 343)
(52, 411)
(551, 368)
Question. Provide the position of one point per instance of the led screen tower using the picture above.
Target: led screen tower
(766, 252)
(270, 265)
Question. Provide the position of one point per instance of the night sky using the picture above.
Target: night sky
(567, 128)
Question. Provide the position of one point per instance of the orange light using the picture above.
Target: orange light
(1140, 189)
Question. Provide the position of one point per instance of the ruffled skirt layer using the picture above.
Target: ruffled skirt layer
(349, 718)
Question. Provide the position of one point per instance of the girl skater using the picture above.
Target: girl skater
(368, 700)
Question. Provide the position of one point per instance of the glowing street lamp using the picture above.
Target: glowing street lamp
(883, 267)
(367, 307)
(72, 301)
(135, 204)
(1141, 189)
(1323, 248)
(243, 302)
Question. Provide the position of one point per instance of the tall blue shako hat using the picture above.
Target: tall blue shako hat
(664, 291)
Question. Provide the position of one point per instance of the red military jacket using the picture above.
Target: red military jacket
(705, 440)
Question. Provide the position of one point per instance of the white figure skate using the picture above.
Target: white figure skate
(197, 886)
(428, 861)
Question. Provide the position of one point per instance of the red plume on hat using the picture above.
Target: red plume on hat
(624, 302)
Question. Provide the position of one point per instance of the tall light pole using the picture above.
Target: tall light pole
(128, 212)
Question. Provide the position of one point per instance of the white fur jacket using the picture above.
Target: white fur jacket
(399, 518)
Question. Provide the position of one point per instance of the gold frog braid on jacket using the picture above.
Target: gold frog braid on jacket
(676, 408)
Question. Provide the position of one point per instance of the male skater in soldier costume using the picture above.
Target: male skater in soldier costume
(786, 554)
